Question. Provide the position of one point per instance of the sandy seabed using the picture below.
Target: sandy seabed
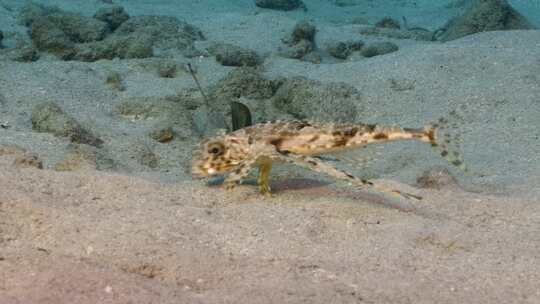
(103, 238)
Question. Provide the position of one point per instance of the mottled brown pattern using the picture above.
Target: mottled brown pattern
(380, 136)
(369, 127)
(314, 138)
(294, 141)
(276, 142)
(351, 132)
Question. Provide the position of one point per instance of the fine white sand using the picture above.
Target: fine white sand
(156, 236)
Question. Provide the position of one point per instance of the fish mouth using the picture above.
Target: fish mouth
(198, 171)
(202, 171)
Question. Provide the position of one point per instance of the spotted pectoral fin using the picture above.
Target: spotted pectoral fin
(319, 166)
(240, 172)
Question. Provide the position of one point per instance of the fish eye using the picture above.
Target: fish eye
(215, 149)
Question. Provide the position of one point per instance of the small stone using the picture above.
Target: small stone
(137, 110)
(313, 57)
(12, 150)
(164, 33)
(115, 46)
(149, 159)
(167, 69)
(342, 50)
(436, 178)
(49, 38)
(28, 160)
(207, 120)
(74, 162)
(114, 81)
(306, 99)
(114, 16)
(162, 135)
(298, 50)
(345, 3)
(25, 53)
(284, 5)
(244, 82)
(84, 157)
(379, 48)
(49, 117)
(388, 22)
(300, 42)
(74, 27)
(232, 55)
(303, 30)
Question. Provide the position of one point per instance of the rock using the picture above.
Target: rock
(300, 42)
(147, 158)
(163, 32)
(483, 16)
(48, 38)
(75, 37)
(415, 33)
(32, 11)
(342, 50)
(205, 117)
(49, 117)
(244, 82)
(28, 160)
(298, 50)
(207, 121)
(388, 22)
(162, 134)
(114, 16)
(14, 49)
(313, 57)
(57, 32)
(25, 53)
(114, 81)
(303, 30)
(232, 55)
(74, 162)
(309, 99)
(284, 5)
(240, 84)
(345, 3)
(141, 109)
(84, 157)
(158, 110)
(436, 178)
(76, 27)
(378, 48)
(11, 150)
(167, 69)
(115, 47)
(189, 98)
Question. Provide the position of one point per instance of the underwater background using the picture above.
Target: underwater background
(103, 102)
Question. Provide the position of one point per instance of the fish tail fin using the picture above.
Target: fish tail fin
(445, 139)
